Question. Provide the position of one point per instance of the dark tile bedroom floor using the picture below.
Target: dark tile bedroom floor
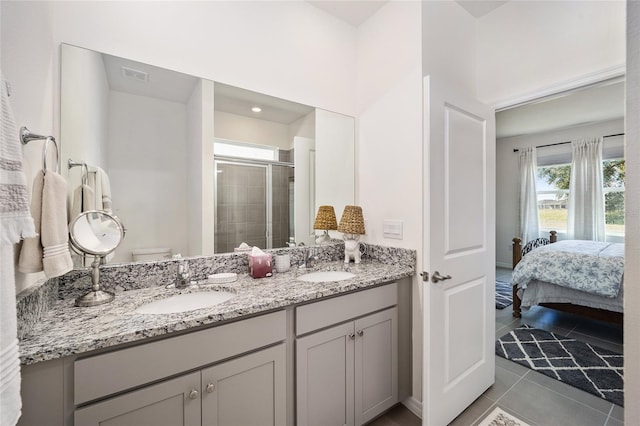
(531, 396)
(534, 397)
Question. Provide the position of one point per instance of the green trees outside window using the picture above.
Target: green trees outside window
(559, 177)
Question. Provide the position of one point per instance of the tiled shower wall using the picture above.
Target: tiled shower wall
(282, 179)
(241, 206)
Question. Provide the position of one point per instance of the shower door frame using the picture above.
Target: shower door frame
(268, 166)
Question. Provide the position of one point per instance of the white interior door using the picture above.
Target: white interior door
(459, 242)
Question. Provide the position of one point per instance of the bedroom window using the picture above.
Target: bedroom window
(553, 196)
(552, 188)
(613, 180)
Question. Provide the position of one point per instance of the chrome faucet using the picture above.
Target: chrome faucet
(308, 257)
(184, 276)
(303, 263)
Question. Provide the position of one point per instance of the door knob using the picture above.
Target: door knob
(193, 394)
(437, 277)
(210, 388)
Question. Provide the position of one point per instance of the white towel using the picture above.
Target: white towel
(102, 182)
(98, 180)
(15, 222)
(83, 200)
(105, 188)
(94, 182)
(50, 252)
(10, 402)
(31, 252)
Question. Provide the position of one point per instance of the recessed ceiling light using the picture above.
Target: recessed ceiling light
(256, 109)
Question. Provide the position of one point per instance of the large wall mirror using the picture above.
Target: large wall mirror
(193, 166)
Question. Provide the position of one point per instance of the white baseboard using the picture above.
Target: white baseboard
(413, 405)
(503, 265)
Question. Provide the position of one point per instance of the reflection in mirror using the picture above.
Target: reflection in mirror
(255, 181)
(153, 131)
(97, 233)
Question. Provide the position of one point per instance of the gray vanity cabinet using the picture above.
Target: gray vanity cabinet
(249, 390)
(232, 374)
(348, 373)
(338, 361)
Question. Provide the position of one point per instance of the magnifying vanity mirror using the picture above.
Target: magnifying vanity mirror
(193, 167)
(96, 233)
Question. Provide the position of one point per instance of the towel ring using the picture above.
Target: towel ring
(44, 154)
(85, 169)
(27, 136)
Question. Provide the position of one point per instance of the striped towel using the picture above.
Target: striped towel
(15, 223)
(15, 220)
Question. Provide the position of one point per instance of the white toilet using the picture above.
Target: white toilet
(150, 254)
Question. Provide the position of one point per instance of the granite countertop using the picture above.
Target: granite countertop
(68, 330)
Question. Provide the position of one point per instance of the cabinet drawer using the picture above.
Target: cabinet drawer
(343, 308)
(105, 374)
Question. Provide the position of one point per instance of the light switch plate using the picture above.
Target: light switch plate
(392, 229)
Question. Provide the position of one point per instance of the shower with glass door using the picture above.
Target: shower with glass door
(253, 203)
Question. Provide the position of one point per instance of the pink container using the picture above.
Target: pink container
(260, 266)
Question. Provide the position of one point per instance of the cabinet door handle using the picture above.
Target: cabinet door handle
(193, 394)
(210, 388)
(352, 336)
(360, 333)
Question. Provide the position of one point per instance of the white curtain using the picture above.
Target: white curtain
(529, 228)
(586, 198)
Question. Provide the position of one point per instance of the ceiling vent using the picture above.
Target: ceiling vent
(135, 74)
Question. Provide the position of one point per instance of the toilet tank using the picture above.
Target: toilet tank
(149, 254)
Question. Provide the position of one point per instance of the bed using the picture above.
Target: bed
(581, 277)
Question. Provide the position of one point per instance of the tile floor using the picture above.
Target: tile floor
(534, 397)
(397, 416)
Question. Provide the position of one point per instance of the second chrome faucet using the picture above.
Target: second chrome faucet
(183, 277)
(308, 256)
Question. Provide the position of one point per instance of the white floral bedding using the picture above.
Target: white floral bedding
(591, 266)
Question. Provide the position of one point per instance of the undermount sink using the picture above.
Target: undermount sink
(185, 302)
(325, 276)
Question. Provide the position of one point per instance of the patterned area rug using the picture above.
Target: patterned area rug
(504, 295)
(582, 365)
(499, 417)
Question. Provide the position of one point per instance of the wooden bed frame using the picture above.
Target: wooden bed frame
(585, 311)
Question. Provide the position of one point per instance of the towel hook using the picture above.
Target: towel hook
(27, 136)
